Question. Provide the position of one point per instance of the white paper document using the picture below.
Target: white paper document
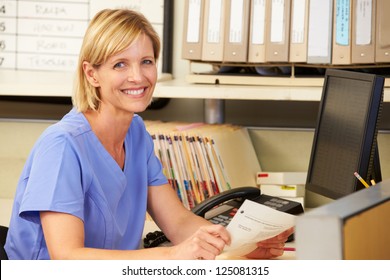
(252, 223)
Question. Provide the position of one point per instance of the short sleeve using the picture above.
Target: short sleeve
(54, 180)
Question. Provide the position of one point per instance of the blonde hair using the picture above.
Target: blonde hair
(109, 33)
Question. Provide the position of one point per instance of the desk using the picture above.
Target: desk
(150, 226)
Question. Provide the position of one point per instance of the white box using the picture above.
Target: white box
(283, 190)
(281, 178)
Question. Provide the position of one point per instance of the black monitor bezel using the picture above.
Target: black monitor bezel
(368, 166)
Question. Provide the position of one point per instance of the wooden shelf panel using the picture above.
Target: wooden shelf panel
(182, 89)
(282, 89)
(39, 83)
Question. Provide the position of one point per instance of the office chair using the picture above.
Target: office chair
(3, 236)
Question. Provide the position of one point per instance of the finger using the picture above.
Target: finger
(271, 245)
(219, 231)
(203, 249)
(211, 240)
(265, 253)
(281, 237)
(274, 252)
(286, 233)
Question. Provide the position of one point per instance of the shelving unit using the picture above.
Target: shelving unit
(39, 83)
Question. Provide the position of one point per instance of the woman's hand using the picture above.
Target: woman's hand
(206, 243)
(272, 247)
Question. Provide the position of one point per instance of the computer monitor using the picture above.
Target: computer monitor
(345, 139)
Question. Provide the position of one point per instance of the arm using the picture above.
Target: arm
(192, 236)
(184, 226)
(64, 233)
(64, 236)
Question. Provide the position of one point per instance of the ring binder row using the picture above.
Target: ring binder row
(330, 32)
(201, 160)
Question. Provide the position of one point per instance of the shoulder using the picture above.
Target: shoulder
(73, 123)
(138, 122)
(138, 126)
(67, 130)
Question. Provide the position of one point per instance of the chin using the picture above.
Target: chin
(140, 109)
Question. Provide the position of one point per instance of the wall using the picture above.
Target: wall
(278, 149)
(17, 139)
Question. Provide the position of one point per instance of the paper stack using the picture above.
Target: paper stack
(287, 185)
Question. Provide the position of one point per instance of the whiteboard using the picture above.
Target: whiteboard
(46, 35)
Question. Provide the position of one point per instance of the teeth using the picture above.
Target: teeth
(134, 92)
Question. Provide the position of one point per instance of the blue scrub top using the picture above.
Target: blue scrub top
(69, 171)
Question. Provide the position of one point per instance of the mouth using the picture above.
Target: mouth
(134, 92)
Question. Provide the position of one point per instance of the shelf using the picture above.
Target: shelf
(50, 84)
(277, 89)
(182, 89)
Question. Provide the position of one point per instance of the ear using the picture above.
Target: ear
(90, 74)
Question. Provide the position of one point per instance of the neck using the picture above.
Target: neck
(111, 132)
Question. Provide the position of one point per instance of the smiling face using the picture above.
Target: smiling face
(112, 34)
(126, 80)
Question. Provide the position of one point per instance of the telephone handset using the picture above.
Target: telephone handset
(220, 209)
(240, 194)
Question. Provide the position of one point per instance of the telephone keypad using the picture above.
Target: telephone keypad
(224, 218)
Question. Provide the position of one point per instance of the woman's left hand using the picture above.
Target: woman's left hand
(272, 247)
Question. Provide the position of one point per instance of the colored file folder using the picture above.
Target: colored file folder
(201, 160)
(341, 52)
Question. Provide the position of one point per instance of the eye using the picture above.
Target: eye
(148, 61)
(119, 65)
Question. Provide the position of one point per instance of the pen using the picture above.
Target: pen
(361, 179)
(289, 249)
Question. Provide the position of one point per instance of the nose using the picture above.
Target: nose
(134, 73)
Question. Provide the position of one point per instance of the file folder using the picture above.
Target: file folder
(382, 50)
(213, 30)
(193, 30)
(341, 53)
(278, 31)
(200, 160)
(256, 47)
(236, 34)
(363, 31)
(298, 33)
(319, 48)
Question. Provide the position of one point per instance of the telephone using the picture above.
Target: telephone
(220, 209)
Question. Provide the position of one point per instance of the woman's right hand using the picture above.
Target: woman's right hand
(205, 244)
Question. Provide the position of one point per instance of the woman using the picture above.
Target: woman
(90, 178)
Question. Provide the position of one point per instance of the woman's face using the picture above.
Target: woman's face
(126, 80)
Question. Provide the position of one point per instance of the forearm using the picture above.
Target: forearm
(184, 227)
(159, 253)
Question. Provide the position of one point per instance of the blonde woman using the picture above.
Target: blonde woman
(91, 177)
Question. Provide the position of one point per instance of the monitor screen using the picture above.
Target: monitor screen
(345, 135)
